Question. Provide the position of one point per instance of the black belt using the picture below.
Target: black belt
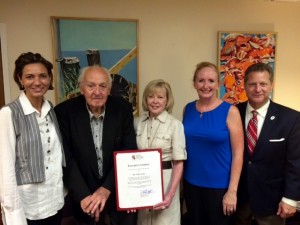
(166, 165)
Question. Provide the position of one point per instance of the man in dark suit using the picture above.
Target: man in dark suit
(93, 125)
(270, 181)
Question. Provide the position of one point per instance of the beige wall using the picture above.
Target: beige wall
(174, 35)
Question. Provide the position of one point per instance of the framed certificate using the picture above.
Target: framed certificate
(138, 176)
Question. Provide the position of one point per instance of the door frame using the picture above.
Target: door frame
(4, 63)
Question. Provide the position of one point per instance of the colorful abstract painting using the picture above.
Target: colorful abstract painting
(236, 52)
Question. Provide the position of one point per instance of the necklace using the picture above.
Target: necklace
(200, 111)
(207, 109)
(150, 135)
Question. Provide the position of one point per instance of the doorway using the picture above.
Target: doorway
(1, 96)
(2, 99)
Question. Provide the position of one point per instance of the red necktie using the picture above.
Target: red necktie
(252, 132)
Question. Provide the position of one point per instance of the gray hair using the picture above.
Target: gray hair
(84, 70)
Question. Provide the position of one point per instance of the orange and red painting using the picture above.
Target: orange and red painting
(236, 52)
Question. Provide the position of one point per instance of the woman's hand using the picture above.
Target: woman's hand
(164, 204)
(229, 202)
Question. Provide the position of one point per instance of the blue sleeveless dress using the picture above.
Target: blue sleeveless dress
(208, 146)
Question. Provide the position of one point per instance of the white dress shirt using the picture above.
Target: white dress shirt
(30, 201)
(261, 115)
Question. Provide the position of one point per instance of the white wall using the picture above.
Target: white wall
(174, 35)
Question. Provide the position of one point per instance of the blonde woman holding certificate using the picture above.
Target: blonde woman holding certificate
(157, 128)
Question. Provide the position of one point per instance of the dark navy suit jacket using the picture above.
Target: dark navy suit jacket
(273, 171)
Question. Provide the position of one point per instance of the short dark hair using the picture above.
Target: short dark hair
(259, 67)
(31, 58)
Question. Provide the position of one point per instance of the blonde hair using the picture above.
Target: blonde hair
(202, 65)
(152, 87)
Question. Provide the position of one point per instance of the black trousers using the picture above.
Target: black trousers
(245, 216)
(204, 205)
(115, 217)
(52, 220)
(119, 218)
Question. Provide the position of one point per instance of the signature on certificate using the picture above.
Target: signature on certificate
(146, 192)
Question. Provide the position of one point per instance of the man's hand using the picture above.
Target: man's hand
(96, 215)
(97, 202)
(85, 203)
(285, 210)
(94, 204)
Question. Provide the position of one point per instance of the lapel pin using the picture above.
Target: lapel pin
(272, 117)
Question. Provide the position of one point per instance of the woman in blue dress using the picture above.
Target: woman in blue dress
(214, 142)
